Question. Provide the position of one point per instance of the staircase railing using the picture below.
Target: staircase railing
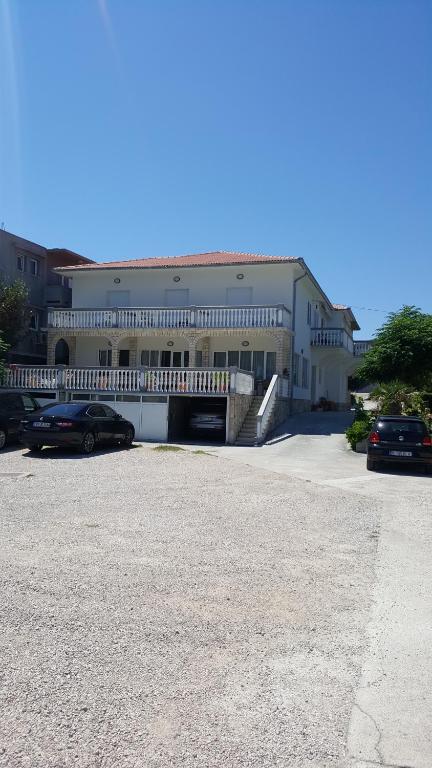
(267, 407)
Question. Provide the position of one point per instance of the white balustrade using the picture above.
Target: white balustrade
(361, 347)
(113, 379)
(41, 377)
(330, 337)
(266, 409)
(185, 380)
(256, 316)
(205, 381)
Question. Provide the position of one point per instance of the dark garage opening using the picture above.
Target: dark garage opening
(197, 419)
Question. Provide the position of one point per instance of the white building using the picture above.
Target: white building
(153, 334)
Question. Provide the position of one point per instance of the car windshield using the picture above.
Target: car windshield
(390, 428)
(63, 409)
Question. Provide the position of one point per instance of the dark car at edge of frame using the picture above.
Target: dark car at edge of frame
(399, 440)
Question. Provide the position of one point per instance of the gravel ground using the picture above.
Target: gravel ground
(176, 609)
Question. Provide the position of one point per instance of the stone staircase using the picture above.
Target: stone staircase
(248, 430)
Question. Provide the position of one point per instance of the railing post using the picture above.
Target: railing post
(193, 316)
(280, 314)
(60, 377)
(115, 317)
(232, 379)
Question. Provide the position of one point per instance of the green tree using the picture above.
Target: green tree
(14, 311)
(401, 351)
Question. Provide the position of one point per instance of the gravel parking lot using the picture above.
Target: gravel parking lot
(177, 609)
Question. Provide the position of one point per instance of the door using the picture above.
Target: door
(102, 425)
(115, 427)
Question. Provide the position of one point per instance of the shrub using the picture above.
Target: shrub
(358, 431)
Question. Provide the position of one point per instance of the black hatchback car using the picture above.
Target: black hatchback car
(76, 425)
(397, 439)
(14, 406)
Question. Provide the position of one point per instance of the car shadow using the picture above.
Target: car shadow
(56, 453)
(405, 470)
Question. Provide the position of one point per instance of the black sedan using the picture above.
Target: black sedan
(79, 425)
(396, 439)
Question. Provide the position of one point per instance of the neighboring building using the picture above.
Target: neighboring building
(23, 260)
(159, 337)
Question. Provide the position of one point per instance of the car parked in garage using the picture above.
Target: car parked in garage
(76, 425)
(14, 406)
(397, 439)
(207, 421)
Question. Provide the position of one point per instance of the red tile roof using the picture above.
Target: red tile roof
(213, 258)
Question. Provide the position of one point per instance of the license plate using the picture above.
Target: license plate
(400, 453)
(41, 424)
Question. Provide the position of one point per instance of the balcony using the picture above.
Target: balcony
(253, 316)
(332, 338)
(361, 347)
(182, 381)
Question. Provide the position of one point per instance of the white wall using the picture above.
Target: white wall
(271, 284)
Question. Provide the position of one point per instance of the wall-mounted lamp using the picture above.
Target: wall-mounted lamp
(240, 276)
(170, 343)
(245, 343)
(176, 279)
(117, 280)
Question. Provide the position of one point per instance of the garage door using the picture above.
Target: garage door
(149, 418)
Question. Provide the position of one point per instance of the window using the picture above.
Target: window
(305, 373)
(105, 357)
(199, 358)
(96, 412)
(34, 267)
(150, 357)
(165, 358)
(109, 411)
(34, 321)
(118, 298)
(29, 404)
(258, 364)
(219, 359)
(296, 371)
(177, 297)
(21, 263)
(124, 356)
(270, 364)
(246, 360)
(309, 313)
(233, 358)
(236, 296)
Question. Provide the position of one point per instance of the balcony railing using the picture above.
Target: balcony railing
(252, 316)
(203, 381)
(331, 337)
(361, 347)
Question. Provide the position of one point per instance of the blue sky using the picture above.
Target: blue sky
(133, 128)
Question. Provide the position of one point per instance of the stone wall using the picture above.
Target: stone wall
(238, 406)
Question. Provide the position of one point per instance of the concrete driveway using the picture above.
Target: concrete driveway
(392, 711)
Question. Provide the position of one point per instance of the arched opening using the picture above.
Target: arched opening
(61, 353)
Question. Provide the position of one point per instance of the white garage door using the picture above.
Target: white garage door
(150, 419)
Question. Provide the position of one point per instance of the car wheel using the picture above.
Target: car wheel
(370, 464)
(129, 438)
(3, 438)
(88, 443)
